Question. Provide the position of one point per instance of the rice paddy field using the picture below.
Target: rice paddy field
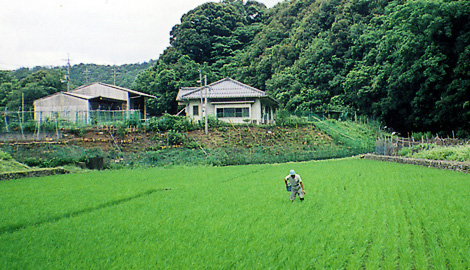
(357, 214)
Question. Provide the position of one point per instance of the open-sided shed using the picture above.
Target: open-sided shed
(78, 103)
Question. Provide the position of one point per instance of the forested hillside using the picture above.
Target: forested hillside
(404, 62)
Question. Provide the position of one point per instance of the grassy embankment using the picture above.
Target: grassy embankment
(180, 143)
(8, 164)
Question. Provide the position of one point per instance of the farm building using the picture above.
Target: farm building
(83, 102)
(230, 101)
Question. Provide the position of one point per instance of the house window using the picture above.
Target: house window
(196, 110)
(233, 112)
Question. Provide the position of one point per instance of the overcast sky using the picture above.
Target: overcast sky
(112, 32)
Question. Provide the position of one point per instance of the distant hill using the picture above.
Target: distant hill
(81, 74)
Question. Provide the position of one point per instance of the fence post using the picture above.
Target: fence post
(57, 127)
(21, 125)
(6, 120)
(39, 125)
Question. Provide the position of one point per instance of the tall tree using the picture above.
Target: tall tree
(36, 85)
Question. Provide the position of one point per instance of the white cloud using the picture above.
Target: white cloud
(44, 32)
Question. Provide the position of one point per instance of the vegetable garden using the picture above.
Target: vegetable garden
(357, 214)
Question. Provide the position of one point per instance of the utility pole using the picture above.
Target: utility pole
(114, 74)
(22, 107)
(205, 106)
(200, 82)
(67, 78)
(204, 100)
(86, 72)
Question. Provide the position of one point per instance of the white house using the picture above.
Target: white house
(78, 103)
(229, 100)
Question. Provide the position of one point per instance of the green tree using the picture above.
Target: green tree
(164, 81)
(206, 33)
(36, 85)
(7, 84)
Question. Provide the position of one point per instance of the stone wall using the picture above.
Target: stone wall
(439, 164)
(34, 173)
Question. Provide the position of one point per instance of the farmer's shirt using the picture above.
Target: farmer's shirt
(294, 182)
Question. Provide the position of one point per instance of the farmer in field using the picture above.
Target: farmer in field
(297, 187)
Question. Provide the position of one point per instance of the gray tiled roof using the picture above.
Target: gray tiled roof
(185, 90)
(225, 88)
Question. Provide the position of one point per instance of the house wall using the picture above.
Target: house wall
(59, 105)
(255, 111)
(189, 110)
(256, 114)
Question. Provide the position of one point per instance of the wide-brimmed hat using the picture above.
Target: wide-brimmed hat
(292, 172)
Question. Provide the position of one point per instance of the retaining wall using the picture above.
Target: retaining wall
(35, 173)
(439, 164)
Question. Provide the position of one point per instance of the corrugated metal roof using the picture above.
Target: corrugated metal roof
(225, 88)
(115, 87)
(87, 97)
(65, 93)
(77, 95)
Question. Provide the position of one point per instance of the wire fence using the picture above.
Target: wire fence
(29, 125)
(391, 146)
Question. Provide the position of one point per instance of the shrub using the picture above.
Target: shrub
(5, 156)
(285, 119)
(30, 126)
(417, 136)
(170, 122)
(175, 138)
(48, 163)
(54, 155)
(77, 131)
(183, 124)
(405, 152)
(134, 122)
(121, 129)
(94, 152)
(214, 122)
(459, 153)
(35, 162)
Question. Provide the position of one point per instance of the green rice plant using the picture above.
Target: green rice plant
(358, 214)
(457, 153)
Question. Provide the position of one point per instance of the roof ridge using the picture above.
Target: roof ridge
(246, 85)
(115, 87)
(200, 88)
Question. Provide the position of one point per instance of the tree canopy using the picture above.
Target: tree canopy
(405, 62)
(28, 84)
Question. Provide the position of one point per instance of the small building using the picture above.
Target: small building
(230, 101)
(80, 103)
